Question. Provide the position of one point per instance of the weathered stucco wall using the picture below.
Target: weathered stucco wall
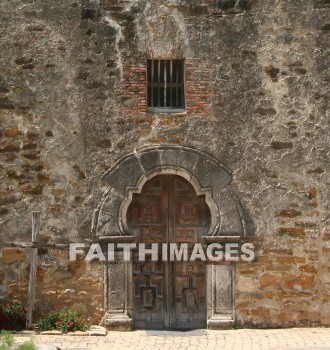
(72, 102)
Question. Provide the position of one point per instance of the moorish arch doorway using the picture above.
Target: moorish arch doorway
(169, 294)
(130, 295)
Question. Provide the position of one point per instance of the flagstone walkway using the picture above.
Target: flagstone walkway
(242, 339)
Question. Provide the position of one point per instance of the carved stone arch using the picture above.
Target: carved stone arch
(206, 174)
(228, 224)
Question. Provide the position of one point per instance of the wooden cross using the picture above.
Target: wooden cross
(33, 268)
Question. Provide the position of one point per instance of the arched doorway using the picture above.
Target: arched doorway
(168, 294)
(229, 221)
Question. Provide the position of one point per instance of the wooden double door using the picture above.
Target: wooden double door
(168, 294)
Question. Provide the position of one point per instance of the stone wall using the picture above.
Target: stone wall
(72, 102)
(77, 284)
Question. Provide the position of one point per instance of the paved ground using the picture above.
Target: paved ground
(243, 339)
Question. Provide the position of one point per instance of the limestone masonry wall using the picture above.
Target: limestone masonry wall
(73, 102)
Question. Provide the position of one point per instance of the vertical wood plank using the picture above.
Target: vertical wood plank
(182, 83)
(33, 268)
(165, 82)
(171, 83)
(158, 85)
(177, 66)
(152, 83)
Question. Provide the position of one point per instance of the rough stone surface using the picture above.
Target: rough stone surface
(10, 255)
(73, 102)
(78, 333)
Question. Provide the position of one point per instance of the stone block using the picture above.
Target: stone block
(150, 159)
(231, 216)
(280, 145)
(188, 160)
(289, 213)
(126, 175)
(211, 175)
(264, 313)
(51, 333)
(27, 332)
(8, 199)
(10, 146)
(10, 255)
(246, 284)
(32, 188)
(278, 317)
(118, 322)
(169, 157)
(296, 232)
(3, 290)
(220, 322)
(290, 260)
(107, 223)
(267, 280)
(298, 282)
(62, 275)
(308, 268)
(222, 284)
(11, 132)
(78, 333)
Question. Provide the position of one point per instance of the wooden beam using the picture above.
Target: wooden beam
(33, 268)
(35, 245)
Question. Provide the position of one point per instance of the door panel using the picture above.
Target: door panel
(189, 295)
(168, 294)
(188, 278)
(149, 311)
(150, 224)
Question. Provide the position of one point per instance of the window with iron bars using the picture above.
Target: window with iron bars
(165, 85)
